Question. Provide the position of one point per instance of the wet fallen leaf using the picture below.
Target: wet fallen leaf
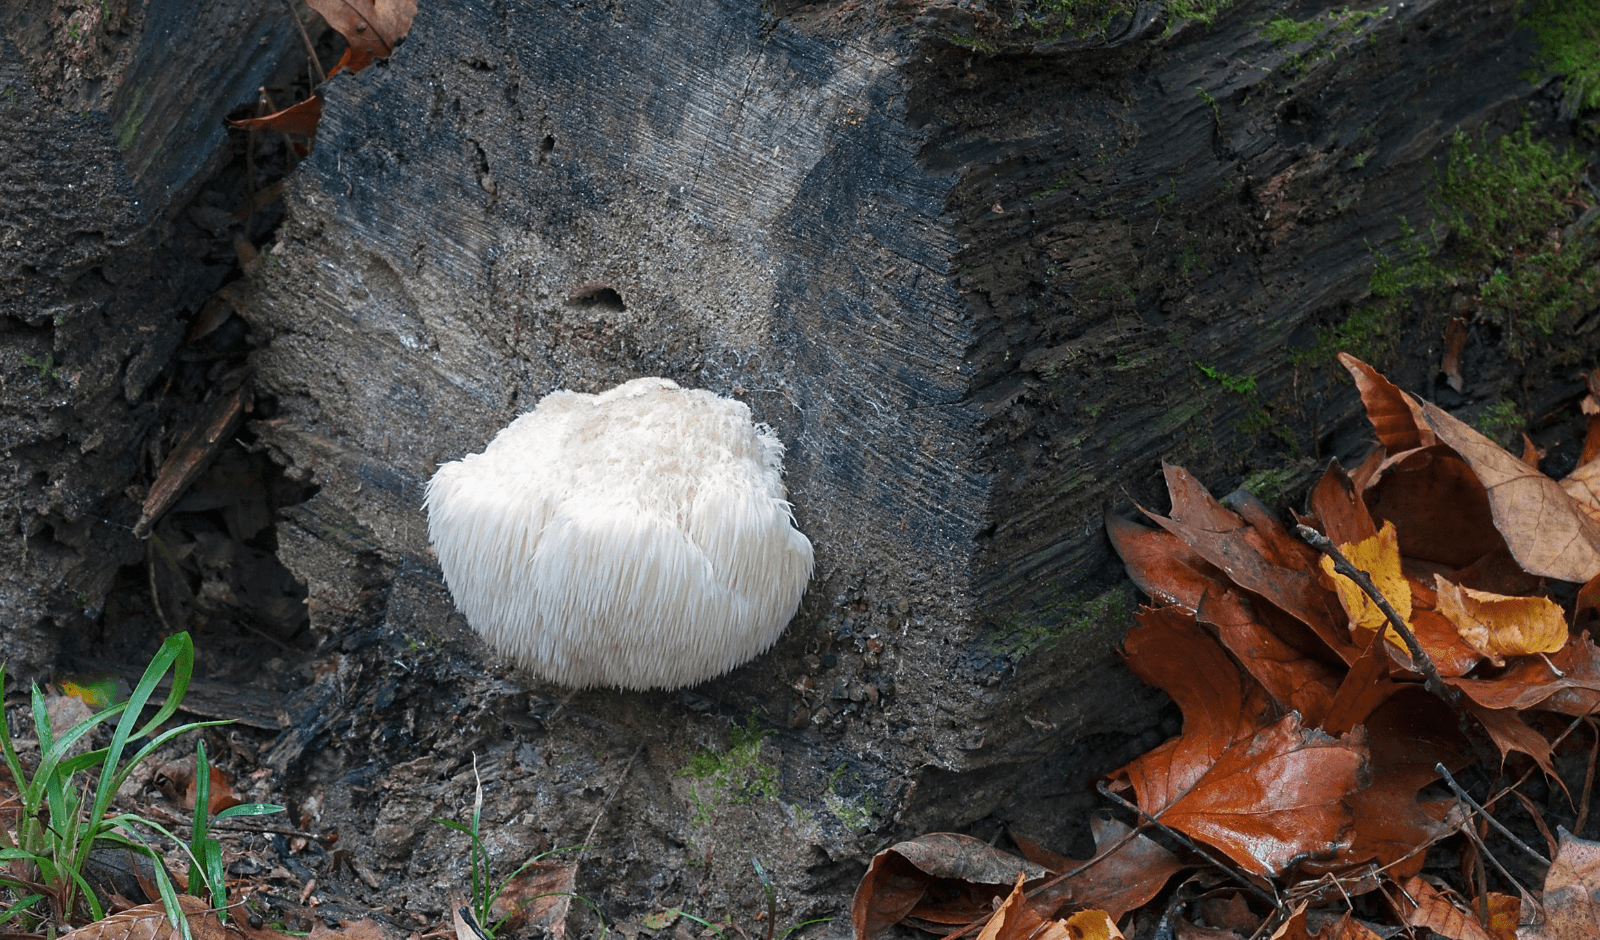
(1406, 736)
(1297, 592)
(1264, 794)
(1571, 893)
(1409, 494)
(1543, 526)
(1505, 912)
(1087, 925)
(1510, 733)
(1338, 509)
(1499, 626)
(1346, 928)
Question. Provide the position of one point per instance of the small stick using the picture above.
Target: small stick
(1463, 797)
(588, 840)
(1250, 885)
(311, 50)
(1419, 657)
(1483, 852)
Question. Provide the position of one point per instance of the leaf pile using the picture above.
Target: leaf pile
(371, 29)
(1315, 731)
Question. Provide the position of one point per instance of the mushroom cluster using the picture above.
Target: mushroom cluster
(637, 538)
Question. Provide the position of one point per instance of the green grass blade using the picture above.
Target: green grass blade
(249, 809)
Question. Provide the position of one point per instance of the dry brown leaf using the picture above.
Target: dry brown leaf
(1591, 442)
(364, 929)
(1392, 412)
(1510, 733)
(1294, 928)
(149, 922)
(1379, 557)
(300, 118)
(943, 877)
(372, 27)
(1543, 526)
(1571, 893)
(1434, 912)
(1499, 626)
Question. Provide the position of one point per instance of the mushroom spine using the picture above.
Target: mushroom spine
(638, 538)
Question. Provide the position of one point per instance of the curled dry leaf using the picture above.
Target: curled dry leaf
(1583, 485)
(1392, 412)
(1499, 626)
(1543, 526)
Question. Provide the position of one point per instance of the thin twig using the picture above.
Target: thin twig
(1243, 879)
(311, 50)
(1419, 657)
(1483, 852)
(1463, 797)
(588, 840)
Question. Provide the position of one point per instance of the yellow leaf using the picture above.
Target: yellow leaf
(1497, 626)
(1091, 925)
(1379, 557)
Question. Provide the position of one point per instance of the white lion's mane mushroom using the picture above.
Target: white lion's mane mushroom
(637, 538)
